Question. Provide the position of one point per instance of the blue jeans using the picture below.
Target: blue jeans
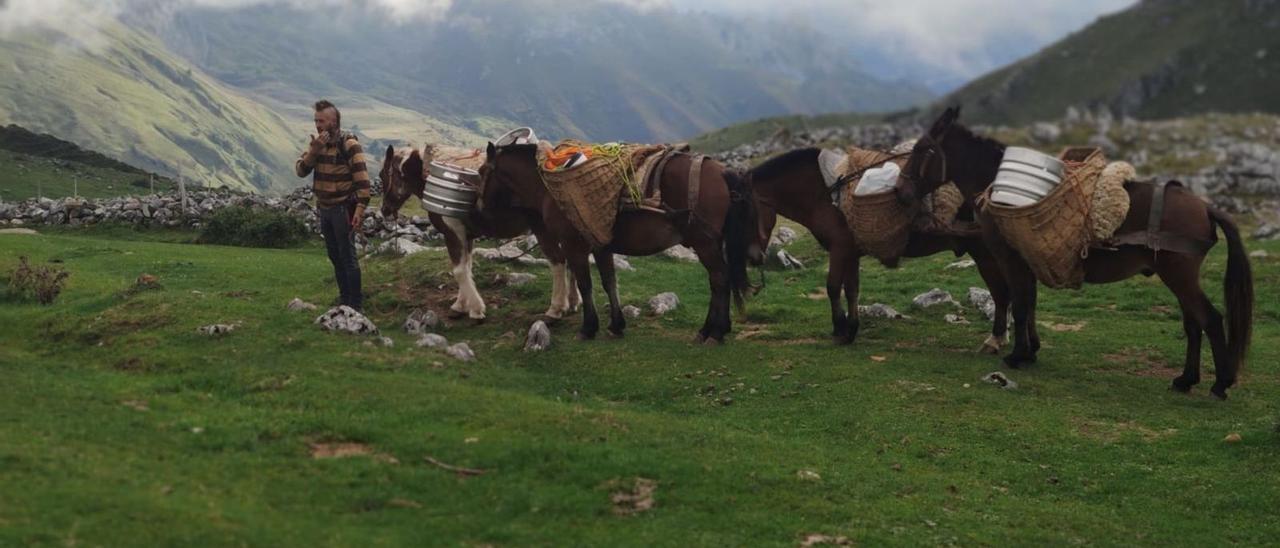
(339, 239)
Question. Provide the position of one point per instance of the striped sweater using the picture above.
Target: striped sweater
(335, 181)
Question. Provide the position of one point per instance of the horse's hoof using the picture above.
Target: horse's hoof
(992, 345)
(699, 338)
(1016, 362)
(712, 342)
(617, 334)
(1181, 385)
(1219, 392)
(582, 336)
(553, 314)
(842, 340)
(457, 314)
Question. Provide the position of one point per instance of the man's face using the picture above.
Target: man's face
(327, 120)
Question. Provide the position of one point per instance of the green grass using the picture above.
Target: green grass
(1091, 448)
(24, 176)
(1174, 58)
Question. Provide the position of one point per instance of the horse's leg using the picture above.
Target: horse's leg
(717, 324)
(469, 302)
(1182, 277)
(989, 269)
(559, 273)
(581, 268)
(837, 278)
(609, 280)
(852, 288)
(574, 296)
(1022, 288)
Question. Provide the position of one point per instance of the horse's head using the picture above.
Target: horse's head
(951, 153)
(926, 168)
(402, 176)
(506, 172)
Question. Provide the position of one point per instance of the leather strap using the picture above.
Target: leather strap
(652, 184)
(1158, 240)
(695, 183)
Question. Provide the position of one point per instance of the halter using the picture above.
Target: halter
(934, 145)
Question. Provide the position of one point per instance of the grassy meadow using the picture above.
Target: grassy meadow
(124, 426)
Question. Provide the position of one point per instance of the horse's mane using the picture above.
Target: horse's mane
(782, 163)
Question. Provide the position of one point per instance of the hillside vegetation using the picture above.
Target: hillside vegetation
(1158, 59)
(123, 95)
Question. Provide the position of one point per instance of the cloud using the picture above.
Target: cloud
(75, 17)
(961, 36)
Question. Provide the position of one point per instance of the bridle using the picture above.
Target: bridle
(934, 146)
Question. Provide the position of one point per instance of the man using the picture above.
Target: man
(341, 187)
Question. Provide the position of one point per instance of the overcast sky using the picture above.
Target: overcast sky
(964, 38)
(954, 35)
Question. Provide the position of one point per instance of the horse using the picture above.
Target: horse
(720, 227)
(404, 175)
(949, 151)
(792, 185)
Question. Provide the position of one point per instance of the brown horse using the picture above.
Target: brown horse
(403, 175)
(950, 151)
(792, 185)
(720, 229)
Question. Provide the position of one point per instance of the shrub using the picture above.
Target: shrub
(42, 282)
(249, 227)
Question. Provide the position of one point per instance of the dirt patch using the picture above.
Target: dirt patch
(794, 342)
(817, 539)
(1112, 432)
(913, 387)
(345, 450)
(245, 294)
(137, 405)
(1144, 362)
(632, 496)
(1064, 327)
(750, 331)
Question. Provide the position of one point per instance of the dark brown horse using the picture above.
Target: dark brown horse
(403, 175)
(792, 185)
(721, 229)
(950, 151)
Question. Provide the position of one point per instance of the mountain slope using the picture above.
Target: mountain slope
(1160, 58)
(128, 98)
(33, 164)
(599, 70)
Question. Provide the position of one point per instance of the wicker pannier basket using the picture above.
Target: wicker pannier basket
(881, 224)
(1053, 235)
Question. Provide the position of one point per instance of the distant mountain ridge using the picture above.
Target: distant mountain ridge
(128, 98)
(1158, 59)
(599, 71)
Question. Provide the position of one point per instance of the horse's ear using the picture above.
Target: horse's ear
(491, 150)
(943, 123)
(391, 152)
(413, 167)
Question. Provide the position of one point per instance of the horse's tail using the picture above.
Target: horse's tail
(1237, 290)
(739, 229)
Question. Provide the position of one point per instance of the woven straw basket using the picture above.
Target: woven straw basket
(589, 195)
(880, 223)
(1052, 235)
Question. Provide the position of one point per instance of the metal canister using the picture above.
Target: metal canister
(450, 190)
(1026, 176)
